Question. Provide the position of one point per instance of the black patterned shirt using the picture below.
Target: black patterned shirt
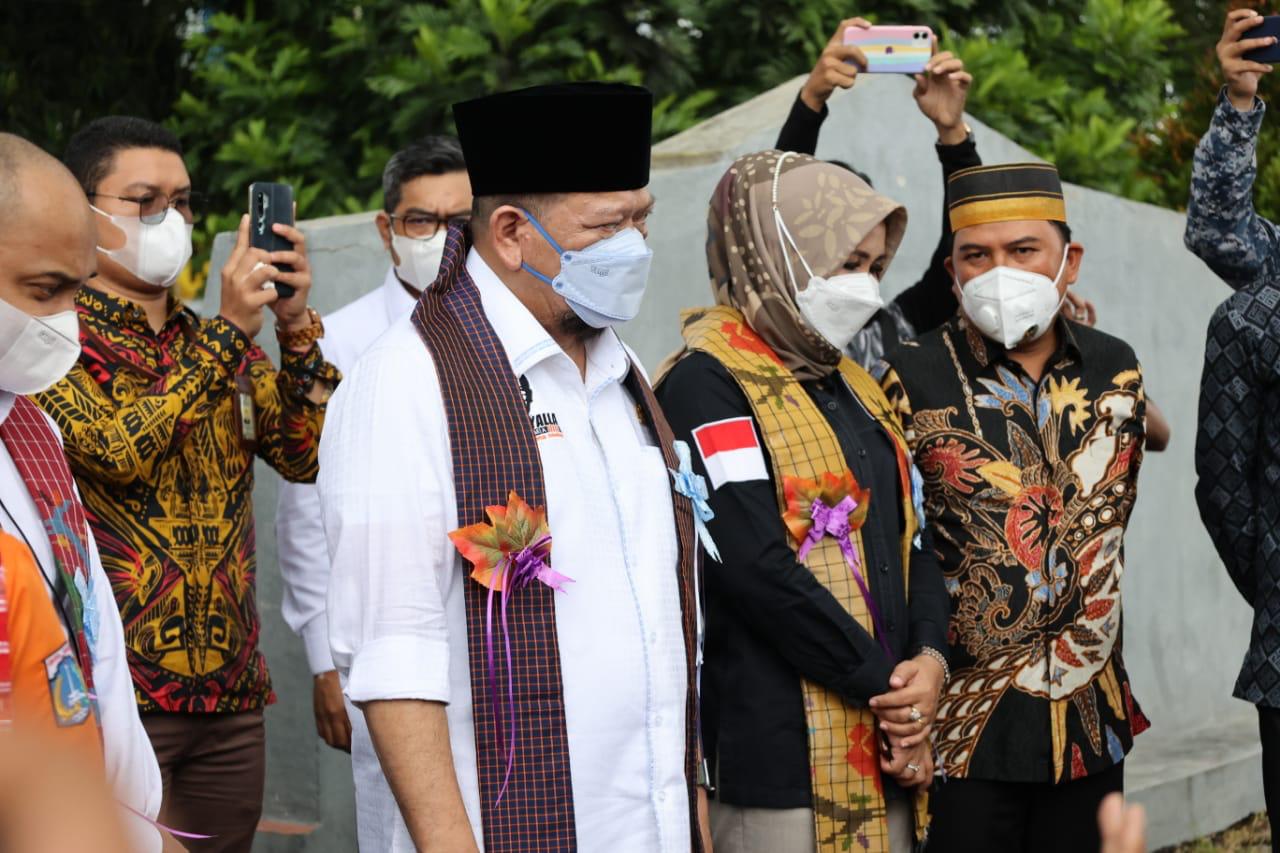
(1237, 443)
(1028, 490)
(151, 426)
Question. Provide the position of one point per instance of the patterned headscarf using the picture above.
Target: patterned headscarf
(828, 210)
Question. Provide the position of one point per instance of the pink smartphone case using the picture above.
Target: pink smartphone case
(893, 50)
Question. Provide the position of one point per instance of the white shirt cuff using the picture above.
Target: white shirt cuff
(400, 668)
(315, 636)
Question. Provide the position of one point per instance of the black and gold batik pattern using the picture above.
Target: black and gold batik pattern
(151, 427)
(1028, 490)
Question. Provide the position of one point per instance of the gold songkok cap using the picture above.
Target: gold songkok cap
(1009, 192)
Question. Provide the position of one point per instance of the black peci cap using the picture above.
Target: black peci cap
(567, 137)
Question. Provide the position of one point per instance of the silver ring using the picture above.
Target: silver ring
(915, 716)
(914, 768)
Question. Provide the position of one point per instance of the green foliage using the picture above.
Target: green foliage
(320, 92)
(1079, 86)
(323, 101)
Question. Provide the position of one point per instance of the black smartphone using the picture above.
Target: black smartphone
(1270, 26)
(268, 204)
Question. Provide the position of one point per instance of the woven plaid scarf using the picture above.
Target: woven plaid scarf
(494, 453)
(844, 751)
(37, 454)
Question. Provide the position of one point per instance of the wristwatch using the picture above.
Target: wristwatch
(302, 339)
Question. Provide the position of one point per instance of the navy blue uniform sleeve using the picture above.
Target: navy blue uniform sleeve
(930, 302)
(800, 133)
(774, 594)
(1227, 440)
(1223, 228)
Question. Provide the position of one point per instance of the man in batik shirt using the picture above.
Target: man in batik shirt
(1028, 430)
(1237, 444)
(162, 419)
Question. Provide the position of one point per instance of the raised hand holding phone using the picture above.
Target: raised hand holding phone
(244, 278)
(838, 66)
(941, 92)
(294, 273)
(1241, 72)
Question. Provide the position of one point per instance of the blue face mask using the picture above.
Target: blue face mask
(603, 283)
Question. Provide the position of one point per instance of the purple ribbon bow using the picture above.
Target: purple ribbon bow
(515, 572)
(833, 521)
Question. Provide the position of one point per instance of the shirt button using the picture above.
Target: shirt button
(657, 721)
(862, 453)
(662, 796)
(832, 406)
(884, 568)
(893, 626)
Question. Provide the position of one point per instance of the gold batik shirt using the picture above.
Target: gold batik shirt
(152, 427)
(1028, 486)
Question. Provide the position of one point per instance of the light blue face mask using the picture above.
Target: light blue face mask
(603, 283)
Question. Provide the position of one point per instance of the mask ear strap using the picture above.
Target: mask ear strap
(1066, 253)
(782, 227)
(545, 236)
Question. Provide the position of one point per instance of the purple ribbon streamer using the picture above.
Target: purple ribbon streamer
(834, 522)
(516, 571)
(177, 833)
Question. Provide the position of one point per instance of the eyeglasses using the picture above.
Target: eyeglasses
(420, 226)
(153, 207)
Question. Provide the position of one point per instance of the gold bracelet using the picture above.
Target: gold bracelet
(302, 339)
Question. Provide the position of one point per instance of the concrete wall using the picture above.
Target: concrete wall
(1186, 627)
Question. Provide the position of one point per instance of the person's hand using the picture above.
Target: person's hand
(704, 819)
(1081, 310)
(245, 279)
(917, 684)
(941, 92)
(1241, 74)
(1123, 828)
(292, 313)
(910, 768)
(838, 66)
(332, 723)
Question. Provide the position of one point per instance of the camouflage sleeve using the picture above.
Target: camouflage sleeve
(1223, 229)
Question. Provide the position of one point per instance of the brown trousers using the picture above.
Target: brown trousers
(213, 767)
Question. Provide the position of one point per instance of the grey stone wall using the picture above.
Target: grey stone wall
(1186, 627)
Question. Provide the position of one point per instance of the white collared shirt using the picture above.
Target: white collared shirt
(301, 549)
(131, 765)
(396, 618)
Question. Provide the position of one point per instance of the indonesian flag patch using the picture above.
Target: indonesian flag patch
(731, 451)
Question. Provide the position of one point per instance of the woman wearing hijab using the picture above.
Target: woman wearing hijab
(826, 613)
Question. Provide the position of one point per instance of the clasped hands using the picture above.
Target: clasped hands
(906, 714)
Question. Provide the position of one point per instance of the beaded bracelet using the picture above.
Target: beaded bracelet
(929, 651)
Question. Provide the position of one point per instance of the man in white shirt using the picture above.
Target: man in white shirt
(424, 187)
(535, 702)
(47, 252)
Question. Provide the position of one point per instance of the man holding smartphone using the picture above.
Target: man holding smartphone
(1237, 445)
(424, 188)
(162, 417)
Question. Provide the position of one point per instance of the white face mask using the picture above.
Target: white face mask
(837, 307)
(419, 258)
(36, 352)
(154, 253)
(1012, 306)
